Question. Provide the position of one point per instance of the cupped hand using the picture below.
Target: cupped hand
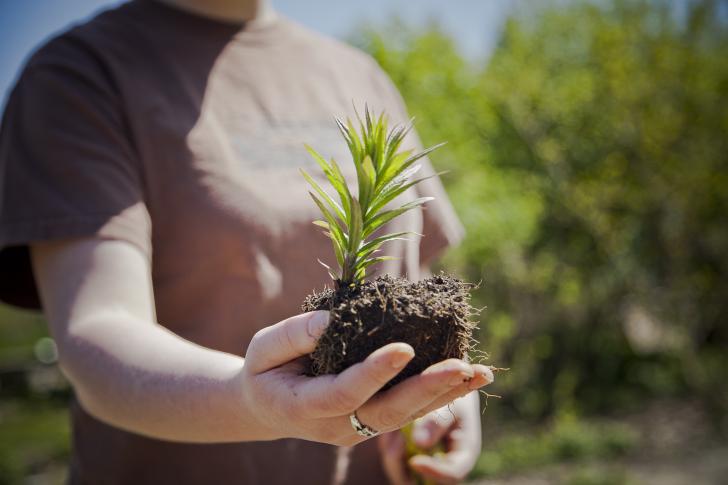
(456, 427)
(290, 404)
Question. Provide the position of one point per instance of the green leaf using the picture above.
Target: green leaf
(376, 260)
(334, 226)
(319, 159)
(366, 186)
(382, 173)
(328, 269)
(395, 138)
(334, 176)
(368, 118)
(392, 193)
(369, 170)
(390, 170)
(339, 250)
(339, 184)
(356, 226)
(368, 262)
(375, 243)
(383, 217)
(378, 137)
(332, 203)
(421, 154)
(361, 268)
(393, 171)
(358, 151)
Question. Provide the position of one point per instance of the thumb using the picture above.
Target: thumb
(431, 428)
(285, 341)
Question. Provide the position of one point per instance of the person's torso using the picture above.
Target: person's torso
(218, 116)
(219, 120)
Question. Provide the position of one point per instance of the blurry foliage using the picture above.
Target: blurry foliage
(35, 439)
(599, 476)
(588, 162)
(565, 440)
(34, 423)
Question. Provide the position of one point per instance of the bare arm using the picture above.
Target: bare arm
(127, 369)
(134, 374)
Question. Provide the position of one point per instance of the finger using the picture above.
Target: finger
(393, 451)
(449, 468)
(397, 405)
(483, 377)
(344, 393)
(430, 429)
(285, 341)
(342, 422)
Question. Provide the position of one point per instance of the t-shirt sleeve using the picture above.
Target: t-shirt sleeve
(440, 224)
(67, 162)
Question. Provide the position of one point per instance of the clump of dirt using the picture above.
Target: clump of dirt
(432, 315)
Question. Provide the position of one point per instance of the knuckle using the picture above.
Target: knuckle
(381, 375)
(257, 342)
(292, 338)
(260, 335)
(433, 391)
(389, 418)
(285, 339)
(254, 343)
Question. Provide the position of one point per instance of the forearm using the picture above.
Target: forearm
(141, 377)
(126, 369)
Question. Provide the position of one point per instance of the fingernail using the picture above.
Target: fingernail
(400, 360)
(476, 383)
(481, 380)
(488, 375)
(318, 323)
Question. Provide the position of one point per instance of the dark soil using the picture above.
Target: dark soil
(432, 315)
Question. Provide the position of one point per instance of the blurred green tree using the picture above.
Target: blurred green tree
(588, 160)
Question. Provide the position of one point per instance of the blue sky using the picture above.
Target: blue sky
(475, 24)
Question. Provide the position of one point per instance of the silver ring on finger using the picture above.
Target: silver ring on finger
(361, 428)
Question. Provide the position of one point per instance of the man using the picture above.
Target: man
(150, 164)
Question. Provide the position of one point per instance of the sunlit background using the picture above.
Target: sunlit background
(474, 24)
(588, 160)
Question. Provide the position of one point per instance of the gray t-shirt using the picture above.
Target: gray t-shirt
(184, 137)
